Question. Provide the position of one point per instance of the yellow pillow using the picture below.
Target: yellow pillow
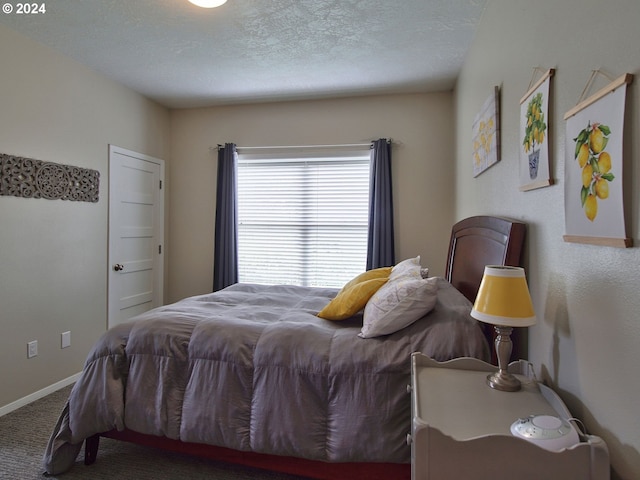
(355, 294)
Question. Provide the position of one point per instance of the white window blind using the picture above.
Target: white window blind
(302, 218)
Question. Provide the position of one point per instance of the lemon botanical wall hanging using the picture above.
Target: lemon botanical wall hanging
(534, 134)
(594, 207)
(486, 134)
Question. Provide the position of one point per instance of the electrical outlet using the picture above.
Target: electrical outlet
(32, 349)
(65, 339)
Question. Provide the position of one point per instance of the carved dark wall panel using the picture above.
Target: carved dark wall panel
(29, 178)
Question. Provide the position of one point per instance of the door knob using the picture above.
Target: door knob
(118, 266)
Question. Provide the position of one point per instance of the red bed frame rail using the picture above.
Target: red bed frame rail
(290, 465)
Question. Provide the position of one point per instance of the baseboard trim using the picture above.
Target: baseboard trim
(21, 402)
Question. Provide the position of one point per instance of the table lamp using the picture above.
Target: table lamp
(503, 300)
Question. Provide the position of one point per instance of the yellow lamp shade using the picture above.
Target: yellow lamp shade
(503, 298)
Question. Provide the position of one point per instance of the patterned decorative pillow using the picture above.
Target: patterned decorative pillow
(398, 304)
(409, 267)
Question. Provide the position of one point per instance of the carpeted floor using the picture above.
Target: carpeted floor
(24, 434)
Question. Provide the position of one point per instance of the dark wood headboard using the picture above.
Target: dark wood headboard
(479, 241)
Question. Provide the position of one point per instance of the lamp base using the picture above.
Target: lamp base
(504, 381)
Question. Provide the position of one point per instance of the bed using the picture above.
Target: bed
(251, 374)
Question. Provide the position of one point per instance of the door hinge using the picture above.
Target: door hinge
(159, 249)
(160, 184)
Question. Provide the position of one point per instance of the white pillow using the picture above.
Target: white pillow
(409, 267)
(397, 305)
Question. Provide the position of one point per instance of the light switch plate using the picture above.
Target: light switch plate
(32, 349)
(65, 339)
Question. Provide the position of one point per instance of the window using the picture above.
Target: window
(302, 217)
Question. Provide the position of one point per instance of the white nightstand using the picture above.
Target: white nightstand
(461, 427)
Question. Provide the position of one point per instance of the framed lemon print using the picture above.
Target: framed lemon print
(486, 134)
(594, 207)
(534, 135)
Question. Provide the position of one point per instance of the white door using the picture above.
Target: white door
(136, 233)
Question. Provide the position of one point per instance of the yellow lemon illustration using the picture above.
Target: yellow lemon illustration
(596, 140)
(602, 188)
(591, 207)
(583, 155)
(587, 174)
(604, 162)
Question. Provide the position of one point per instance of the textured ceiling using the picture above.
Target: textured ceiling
(260, 50)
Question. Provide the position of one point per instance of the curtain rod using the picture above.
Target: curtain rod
(282, 147)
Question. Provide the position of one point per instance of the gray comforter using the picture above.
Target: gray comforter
(253, 368)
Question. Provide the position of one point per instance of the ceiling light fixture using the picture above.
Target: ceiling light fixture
(208, 3)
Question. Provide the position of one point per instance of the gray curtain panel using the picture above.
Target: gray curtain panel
(225, 254)
(380, 246)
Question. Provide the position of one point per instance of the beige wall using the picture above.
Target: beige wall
(53, 253)
(587, 298)
(422, 131)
